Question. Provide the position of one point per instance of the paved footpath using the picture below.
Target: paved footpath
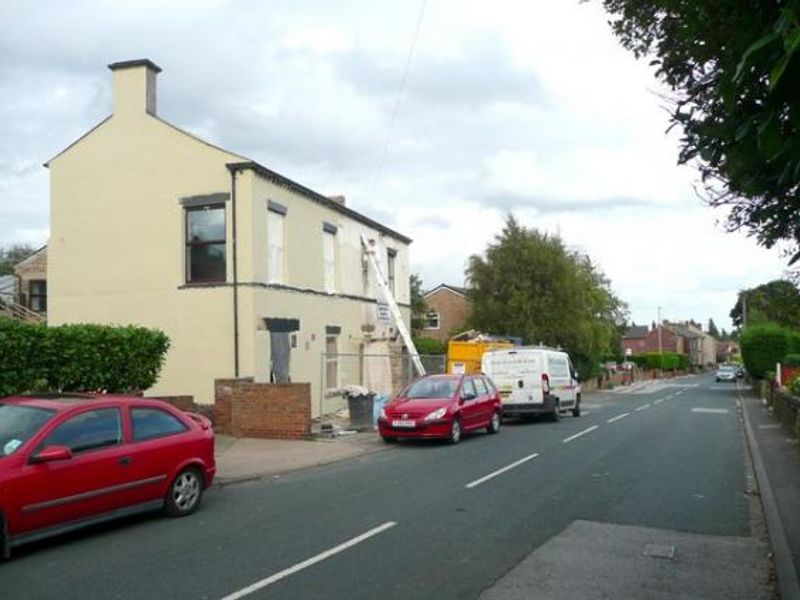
(777, 458)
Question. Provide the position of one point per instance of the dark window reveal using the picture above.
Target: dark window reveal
(37, 295)
(205, 244)
(88, 430)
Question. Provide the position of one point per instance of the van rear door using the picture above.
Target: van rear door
(517, 375)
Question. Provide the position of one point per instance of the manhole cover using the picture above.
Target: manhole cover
(660, 551)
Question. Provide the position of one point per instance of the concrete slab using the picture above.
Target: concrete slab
(601, 560)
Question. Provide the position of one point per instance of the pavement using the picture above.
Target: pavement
(248, 459)
(776, 457)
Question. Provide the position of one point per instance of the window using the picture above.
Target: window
(467, 389)
(275, 246)
(88, 430)
(331, 361)
(149, 423)
(480, 385)
(205, 244)
(329, 260)
(433, 320)
(37, 295)
(391, 255)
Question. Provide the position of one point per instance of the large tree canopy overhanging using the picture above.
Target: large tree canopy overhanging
(528, 284)
(734, 67)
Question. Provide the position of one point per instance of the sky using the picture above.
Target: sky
(437, 118)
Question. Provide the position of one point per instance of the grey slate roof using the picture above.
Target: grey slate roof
(636, 332)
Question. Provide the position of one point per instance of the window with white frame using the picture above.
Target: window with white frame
(433, 320)
(276, 254)
(329, 257)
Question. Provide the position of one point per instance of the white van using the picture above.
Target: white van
(534, 381)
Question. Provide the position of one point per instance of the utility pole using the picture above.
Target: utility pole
(659, 330)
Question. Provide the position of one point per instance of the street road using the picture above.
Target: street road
(425, 520)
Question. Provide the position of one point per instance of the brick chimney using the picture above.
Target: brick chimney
(134, 86)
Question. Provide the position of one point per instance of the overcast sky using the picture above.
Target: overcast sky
(527, 106)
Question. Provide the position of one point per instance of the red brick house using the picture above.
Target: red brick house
(448, 310)
(641, 339)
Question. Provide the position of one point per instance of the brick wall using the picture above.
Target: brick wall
(453, 309)
(264, 410)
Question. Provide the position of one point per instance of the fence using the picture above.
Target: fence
(378, 373)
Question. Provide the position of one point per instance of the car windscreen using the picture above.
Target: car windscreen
(438, 387)
(18, 424)
(727, 368)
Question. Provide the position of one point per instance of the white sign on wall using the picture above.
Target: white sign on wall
(382, 312)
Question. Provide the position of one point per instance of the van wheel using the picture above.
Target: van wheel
(555, 416)
(576, 412)
(494, 423)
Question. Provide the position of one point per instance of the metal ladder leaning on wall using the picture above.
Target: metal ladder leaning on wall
(369, 251)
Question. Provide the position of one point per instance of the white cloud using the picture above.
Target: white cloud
(524, 106)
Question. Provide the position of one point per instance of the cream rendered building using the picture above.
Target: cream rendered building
(239, 265)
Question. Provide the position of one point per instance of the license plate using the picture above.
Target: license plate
(404, 423)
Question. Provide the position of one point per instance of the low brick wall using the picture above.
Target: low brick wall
(243, 408)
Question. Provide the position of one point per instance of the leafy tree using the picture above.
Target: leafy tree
(776, 302)
(528, 284)
(419, 309)
(11, 255)
(712, 329)
(733, 67)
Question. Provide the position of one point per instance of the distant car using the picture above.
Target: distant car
(726, 373)
(68, 462)
(442, 406)
(739, 371)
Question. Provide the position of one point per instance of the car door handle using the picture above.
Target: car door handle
(126, 460)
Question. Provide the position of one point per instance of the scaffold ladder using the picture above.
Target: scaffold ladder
(369, 251)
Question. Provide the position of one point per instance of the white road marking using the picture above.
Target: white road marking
(493, 474)
(618, 417)
(309, 562)
(660, 400)
(579, 434)
(770, 426)
(712, 411)
(642, 407)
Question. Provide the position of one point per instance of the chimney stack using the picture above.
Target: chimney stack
(134, 86)
(339, 199)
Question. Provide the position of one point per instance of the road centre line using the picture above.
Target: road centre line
(713, 411)
(660, 400)
(618, 417)
(642, 407)
(579, 434)
(309, 562)
(493, 474)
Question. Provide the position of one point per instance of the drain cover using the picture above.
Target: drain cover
(660, 551)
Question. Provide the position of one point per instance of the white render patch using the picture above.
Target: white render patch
(711, 411)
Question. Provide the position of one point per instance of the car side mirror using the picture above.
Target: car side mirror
(51, 454)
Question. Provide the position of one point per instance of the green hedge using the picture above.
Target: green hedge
(79, 358)
(662, 360)
(765, 345)
(426, 345)
(791, 360)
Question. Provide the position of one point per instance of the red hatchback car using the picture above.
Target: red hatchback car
(67, 462)
(442, 406)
